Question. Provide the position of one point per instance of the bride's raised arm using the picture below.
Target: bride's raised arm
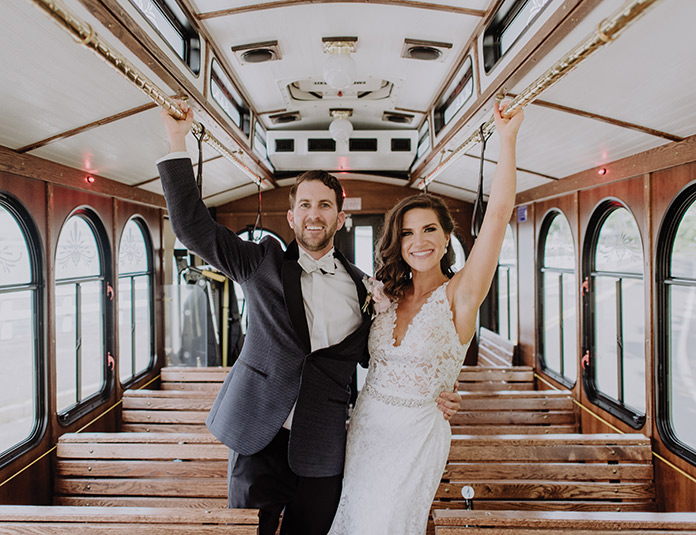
(470, 285)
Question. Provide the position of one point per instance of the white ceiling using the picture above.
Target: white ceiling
(51, 84)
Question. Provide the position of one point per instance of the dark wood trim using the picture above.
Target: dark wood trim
(657, 159)
(292, 3)
(605, 119)
(40, 169)
(445, 184)
(535, 173)
(225, 191)
(195, 165)
(89, 126)
(559, 25)
(408, 110)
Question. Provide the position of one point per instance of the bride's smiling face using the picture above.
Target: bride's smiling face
(423, 241)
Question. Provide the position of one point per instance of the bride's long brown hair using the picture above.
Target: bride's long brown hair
(392, 269)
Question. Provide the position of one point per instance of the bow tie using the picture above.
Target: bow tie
(325, 264)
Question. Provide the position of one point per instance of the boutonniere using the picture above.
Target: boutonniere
(376, 301)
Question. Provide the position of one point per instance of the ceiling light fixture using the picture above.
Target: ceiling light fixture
(340, 128)
(339, 69)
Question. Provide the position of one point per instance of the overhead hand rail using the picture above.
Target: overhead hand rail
(85, 35)
(606, 32)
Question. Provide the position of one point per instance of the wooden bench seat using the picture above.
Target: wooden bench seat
(609, 472)
(209, 379)
(176, 411)
(35, 520)
(495, 350)
(515, 412)
(477, 378)
(554, 522)
(141, 470)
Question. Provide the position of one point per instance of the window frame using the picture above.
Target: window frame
(449, 96)
(221, 79)
(86, 405)
(34, 245)
(547, 221)
(149, 250)
(617, 408)
(182, 25)
(665, 243)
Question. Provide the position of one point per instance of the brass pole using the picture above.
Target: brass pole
(606, 32)
(85, 35)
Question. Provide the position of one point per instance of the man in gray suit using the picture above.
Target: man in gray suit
(283, 407)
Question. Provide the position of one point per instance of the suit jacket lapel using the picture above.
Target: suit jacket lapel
(292, 290)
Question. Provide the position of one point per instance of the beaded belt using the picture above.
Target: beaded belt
(394, 400)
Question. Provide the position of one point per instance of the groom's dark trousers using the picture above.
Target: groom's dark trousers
(276, 368)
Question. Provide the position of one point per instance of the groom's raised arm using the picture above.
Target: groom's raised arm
(188, 215)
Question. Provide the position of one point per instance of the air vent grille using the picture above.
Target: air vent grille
(362, 145)
(285, 145)
(399, 144)
(321, 145)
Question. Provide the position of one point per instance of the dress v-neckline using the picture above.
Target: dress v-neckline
(410, 323)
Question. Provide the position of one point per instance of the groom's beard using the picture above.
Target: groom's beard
(313, 240)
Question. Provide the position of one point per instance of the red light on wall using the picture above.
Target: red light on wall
(603, 171)
(89, 179)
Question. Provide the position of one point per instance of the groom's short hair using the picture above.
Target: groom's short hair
(327, 179)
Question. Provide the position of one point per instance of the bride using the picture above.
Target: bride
(398, 441)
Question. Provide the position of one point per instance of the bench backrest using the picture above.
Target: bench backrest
(515, 412)
(476, 378)
(495, 350)
(566, 471)
(568, 522)
(177, 411)
(32, 520)
(141, 470)
(180, 378)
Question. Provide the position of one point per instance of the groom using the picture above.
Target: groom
(283, 407)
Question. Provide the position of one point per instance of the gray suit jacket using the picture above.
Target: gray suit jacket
(276, 366)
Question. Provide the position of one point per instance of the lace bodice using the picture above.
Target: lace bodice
(428, 359)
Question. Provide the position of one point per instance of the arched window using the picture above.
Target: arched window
(80, 306)
(676, 272)
(21, 391)
(135, 307)
(507, 287)
(615, 374)
(557, 299)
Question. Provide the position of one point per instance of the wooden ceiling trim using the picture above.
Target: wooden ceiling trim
(291, 3)
(89, 126)
(229, 190)
(650, 161)
(519, 169)
(44, 170)
(155, 179)
(605, 119)
(129, 32)
(460, 188)
(562, 22)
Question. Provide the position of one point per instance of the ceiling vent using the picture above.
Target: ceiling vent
(425, 50)
(396, 117)
(257, 52)
(285, 117)
(285, 145)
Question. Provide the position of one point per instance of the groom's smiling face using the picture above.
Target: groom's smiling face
(315, 217)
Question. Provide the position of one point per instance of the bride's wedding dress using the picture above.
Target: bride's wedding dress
(398, 440)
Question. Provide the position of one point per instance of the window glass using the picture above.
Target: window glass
(423, 139)
(79, 313)
(135, 324)
(227, 97)
(520, 22)
(617, 301)
(683, 261)
(507, 287)
(454, 97)
(19, 398)
(163, 25)
(558, 313)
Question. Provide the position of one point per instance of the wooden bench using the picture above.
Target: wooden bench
(495, 350)
(35, 520)
(141, 470)
(174, 411)
(523, 412)
(179, 378)
(608, 472)
(476, 378)
(554, 522)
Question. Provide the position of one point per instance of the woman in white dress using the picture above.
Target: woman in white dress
(398, 441)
